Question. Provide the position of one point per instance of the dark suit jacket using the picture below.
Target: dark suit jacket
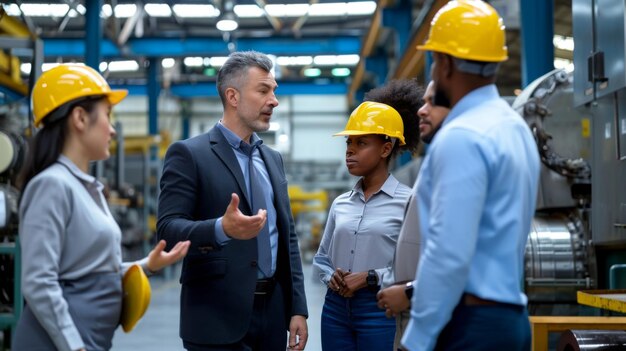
(199, 175)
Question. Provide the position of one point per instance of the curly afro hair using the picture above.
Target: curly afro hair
(404, 95)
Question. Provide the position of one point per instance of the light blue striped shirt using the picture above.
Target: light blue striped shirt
(476, 197)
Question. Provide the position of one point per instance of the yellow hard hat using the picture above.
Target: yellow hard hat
(468, 29)
(375, 118)
(68, 82)
(136, 298)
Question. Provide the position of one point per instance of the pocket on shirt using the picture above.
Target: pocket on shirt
(200, 270)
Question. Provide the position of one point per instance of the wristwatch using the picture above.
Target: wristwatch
(372, 280)
(408, 290)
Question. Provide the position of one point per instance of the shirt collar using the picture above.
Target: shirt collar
(389, 186)
(472, 99)
(234, 140)
(77, 172)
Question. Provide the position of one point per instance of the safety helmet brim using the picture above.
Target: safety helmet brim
(116, 96)
(358, 132)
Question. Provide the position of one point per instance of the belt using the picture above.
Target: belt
(473, 300)
(264, 286)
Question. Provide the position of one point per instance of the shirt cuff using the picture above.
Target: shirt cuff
(220, 235)
(72, 338)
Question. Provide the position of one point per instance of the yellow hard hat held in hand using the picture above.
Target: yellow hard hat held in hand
(136, 297)
(375, 118)
(468, 29)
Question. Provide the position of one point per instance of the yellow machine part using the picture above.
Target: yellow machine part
(10, 65)
(142, 144)
(303, 201)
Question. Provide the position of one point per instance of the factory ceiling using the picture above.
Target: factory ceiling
(315, 42)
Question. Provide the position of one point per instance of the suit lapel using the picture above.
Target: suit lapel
(225, 152)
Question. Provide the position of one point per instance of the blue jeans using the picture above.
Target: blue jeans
(486, 328)
(356, 323)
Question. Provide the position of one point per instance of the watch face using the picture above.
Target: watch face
(372, 278)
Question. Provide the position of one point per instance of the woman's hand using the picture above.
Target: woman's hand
(157, 258)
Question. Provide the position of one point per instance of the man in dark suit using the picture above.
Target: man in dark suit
(230, 299)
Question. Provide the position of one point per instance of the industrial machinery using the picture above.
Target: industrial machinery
(559, 253)
(578, 237)
(17, 45)
(133, 171)
(309, 209)
(12, 152)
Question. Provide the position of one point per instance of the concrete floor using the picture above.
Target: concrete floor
(158, 330)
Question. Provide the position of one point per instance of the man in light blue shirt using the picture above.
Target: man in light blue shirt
(476, 195)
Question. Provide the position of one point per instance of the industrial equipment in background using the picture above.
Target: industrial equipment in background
(17, 45)
(578, 240)
(309, 209)
(560, 259)
(132, 174)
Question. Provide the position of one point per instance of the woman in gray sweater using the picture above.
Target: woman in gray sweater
(71, 254)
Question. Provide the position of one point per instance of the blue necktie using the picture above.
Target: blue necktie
(257, 201)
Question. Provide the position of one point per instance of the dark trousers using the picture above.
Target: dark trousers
(267, 331)
(486, 328)
(356, 323)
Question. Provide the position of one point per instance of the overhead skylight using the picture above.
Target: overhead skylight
(158, 10)
(565, 64)
(106, 11)
(218, 61)
(248, 11)
(12, 9)
(348, 59)
(196, 11)
(103, 66)
(123, 66)
(331, 60)
(49, 66)
(291, 10)
(563, 43)
(361, 8)
(125, 10)
(329, 9)
(196, 61)
(25, 68)
(294, 60)
(45, 10)
(168, 62)
(343, 8)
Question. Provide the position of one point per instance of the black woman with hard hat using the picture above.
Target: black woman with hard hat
(71, 255)
(363, 224)
(476, 192)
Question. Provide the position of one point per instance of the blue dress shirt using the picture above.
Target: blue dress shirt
(268, 192)
(476, 197)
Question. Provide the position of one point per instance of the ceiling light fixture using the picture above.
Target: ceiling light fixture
(227, 23)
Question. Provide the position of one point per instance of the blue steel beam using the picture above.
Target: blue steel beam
(399, 19)
(208, 89)
(93, 34)
(175, 47)
(537, 17)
